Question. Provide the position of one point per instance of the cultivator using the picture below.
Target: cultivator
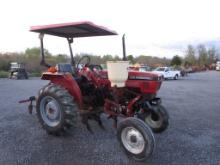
(89, 91)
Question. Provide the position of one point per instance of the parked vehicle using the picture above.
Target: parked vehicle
(17, 71)
(168, 72)
(90, 91)
(217, 65)
(141, 68)
(183, 72)
(189, 70)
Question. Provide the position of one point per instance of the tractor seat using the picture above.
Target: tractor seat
(65, 68)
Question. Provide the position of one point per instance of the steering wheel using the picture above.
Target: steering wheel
(81, 59)
(97, 67)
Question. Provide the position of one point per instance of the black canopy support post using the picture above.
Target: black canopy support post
(124, 48)
(70, 41)
(43, 63)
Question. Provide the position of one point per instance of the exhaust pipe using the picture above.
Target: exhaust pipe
(70, 41)
(124, 48)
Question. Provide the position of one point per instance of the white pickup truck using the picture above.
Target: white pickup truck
(168, 72)
(218, 65)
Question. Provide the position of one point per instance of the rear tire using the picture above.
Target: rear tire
(56, 109)
(136, 138)
(176, 77)
(157, 119)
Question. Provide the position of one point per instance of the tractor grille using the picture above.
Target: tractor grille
(156, 78)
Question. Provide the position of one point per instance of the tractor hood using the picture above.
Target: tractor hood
(136, 75)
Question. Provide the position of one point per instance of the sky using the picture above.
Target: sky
(160, 28)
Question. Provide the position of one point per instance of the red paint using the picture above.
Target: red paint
(108, 107)
(130, 111)
(99, 78)
(145, 86)
(66, 81)
(95, 77)
(73, 29)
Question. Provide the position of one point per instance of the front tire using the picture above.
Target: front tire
(157, 118)
(136, 138)
(56, 110)
(176, 77)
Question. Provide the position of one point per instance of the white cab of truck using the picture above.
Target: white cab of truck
(168, 72)
(218, 65)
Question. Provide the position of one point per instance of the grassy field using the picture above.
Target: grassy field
(3, 74)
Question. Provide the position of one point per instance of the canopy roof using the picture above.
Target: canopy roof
(73, 30)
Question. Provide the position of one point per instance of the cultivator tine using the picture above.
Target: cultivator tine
(115, 123)
(115, 120)
(84, 120)
(89, 128)
(30, 108)
(97, 118)
(86, 116)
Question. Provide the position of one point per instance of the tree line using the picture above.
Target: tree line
(197, 56)
(201, 55)
(194, 56)
(31, 58)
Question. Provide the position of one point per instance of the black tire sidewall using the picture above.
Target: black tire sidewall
(176, 77)
(45, 126)
(162, 113)
(146, 133)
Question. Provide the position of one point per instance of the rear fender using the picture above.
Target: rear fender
(67, 81)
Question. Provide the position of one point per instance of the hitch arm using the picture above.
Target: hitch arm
(30, 106)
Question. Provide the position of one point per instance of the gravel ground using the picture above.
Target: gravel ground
(193, 137)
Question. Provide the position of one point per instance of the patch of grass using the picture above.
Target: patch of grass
(3, 74)
(35, 74)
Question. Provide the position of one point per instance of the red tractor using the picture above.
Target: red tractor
(87, 91)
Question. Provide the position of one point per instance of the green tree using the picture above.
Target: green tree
(32, 58)
(35, 52)
(190, 58)
(116, 58)
(203, 55)
(130, 58)
(176, 60)
(107, 58)
(212, 55)
(61, 58)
